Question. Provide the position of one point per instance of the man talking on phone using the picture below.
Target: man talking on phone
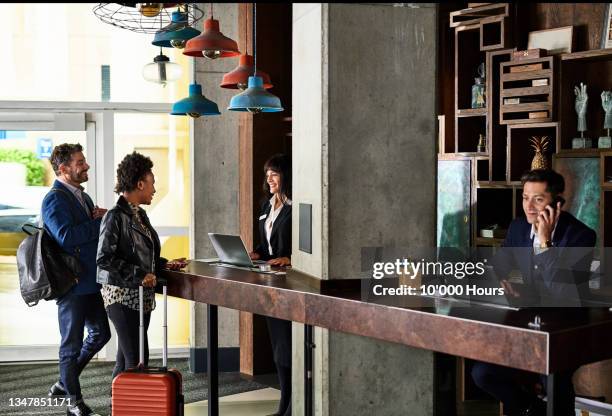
(553, 251)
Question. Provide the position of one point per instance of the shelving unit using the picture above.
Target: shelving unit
(594, 68)
(496, 133)
(519, 151)
(519, 86)
(493, 193)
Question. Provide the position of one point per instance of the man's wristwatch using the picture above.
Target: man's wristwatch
(546, 244)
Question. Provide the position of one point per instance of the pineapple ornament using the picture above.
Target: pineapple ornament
(540, 146)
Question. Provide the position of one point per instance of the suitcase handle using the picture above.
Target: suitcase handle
(141, 353)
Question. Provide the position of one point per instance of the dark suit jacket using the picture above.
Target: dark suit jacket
(280, 238)
(561, 272)
(74, 230)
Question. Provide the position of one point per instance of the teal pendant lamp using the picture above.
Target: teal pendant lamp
(177, 33)
(255, 99)
(196, 104)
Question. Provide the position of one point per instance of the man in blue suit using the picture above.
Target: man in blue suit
(553, 250)
(70, 216)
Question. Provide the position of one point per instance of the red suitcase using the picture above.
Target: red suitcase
(149, 391)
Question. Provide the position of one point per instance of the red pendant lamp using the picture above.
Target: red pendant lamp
(211, 43)
(238, 78)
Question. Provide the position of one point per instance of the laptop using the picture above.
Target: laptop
(231, 250)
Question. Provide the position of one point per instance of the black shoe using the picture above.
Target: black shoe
(80, 409)
(57, 390)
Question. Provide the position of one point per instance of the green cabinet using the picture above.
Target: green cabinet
(454, 196)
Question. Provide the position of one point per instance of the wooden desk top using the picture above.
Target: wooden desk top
(569, 337)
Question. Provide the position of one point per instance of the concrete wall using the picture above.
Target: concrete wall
(215, 173)
(382, 126)
(309, 97)
(364, 155)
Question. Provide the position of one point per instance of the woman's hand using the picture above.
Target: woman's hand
(254, 256)
(280, 261)
(149, 280)
(177, 264)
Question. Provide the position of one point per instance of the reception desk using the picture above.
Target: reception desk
(567, 338)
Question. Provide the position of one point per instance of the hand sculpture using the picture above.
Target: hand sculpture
(606, 103)
(581, 106)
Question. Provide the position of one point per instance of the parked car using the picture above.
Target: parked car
(11, 221)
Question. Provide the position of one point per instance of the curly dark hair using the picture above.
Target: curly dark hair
(62, 153)
(133, 168)
(281, 164)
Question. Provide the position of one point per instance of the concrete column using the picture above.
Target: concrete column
(215, 180)
(364, 111)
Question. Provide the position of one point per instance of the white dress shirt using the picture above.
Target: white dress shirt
(269, 224)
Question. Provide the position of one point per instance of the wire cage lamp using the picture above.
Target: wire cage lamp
(145, 17)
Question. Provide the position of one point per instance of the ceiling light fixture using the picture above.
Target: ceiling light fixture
(255, 99)
(211, 43)
(161, 70)
(143, 17)
(177, 33)
(195, 105)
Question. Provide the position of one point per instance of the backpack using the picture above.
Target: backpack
(46, 271)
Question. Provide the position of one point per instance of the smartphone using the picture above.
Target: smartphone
(556, 199)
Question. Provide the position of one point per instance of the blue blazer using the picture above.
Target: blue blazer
(67, 221)
(562, 272)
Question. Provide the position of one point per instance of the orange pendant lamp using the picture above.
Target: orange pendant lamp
(238, 78)
(211, 43)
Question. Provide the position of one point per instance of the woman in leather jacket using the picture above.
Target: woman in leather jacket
(129, 256)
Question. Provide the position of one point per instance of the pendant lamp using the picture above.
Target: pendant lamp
(255, 99)
(143, 17)
(211, 43)
(238, 78)
(161, 70)
(196, 104)
(177, 33)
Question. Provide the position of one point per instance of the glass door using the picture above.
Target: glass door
(30, 333)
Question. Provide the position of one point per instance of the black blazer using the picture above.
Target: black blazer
(280, 238)
(562, 272)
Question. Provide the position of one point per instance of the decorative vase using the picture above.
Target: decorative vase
(478, 93)
(540, 146)
(482, 144)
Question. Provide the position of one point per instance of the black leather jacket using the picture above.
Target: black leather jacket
(125, 253)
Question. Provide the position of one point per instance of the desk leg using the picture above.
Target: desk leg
(552, 395)
(308, 365)
(212, 352)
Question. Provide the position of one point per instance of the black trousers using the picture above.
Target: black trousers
(127, 324)
(505, 385)
(280, 338)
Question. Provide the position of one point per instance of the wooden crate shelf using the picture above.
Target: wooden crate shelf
(496, 133)
(538, 99)
(520, 153)
(472, 112)
(606, 169)
(493, 33)
(492, 206)
(594, 68)
(522, 92)
(493, 242)
(475, 15)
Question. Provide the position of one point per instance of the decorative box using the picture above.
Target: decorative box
(528, 54)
